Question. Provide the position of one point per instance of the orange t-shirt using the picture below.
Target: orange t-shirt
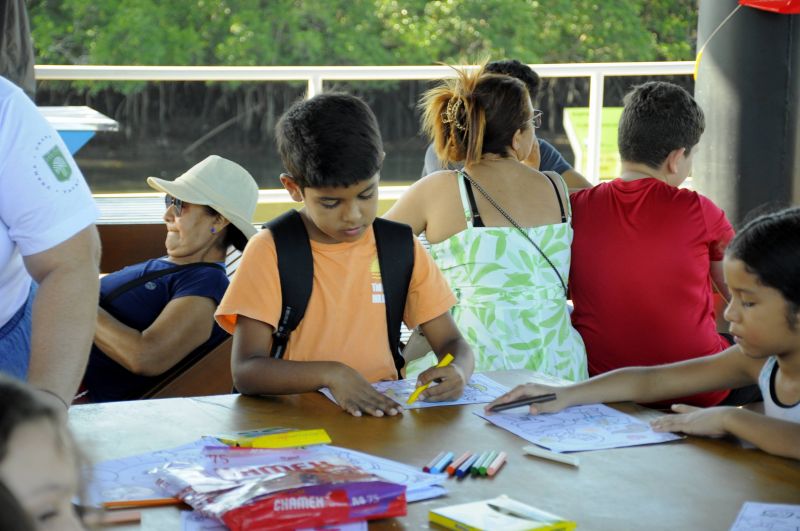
(346, 316)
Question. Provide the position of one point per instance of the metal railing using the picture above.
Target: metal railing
(315, 76)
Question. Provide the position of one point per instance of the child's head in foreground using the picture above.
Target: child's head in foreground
(38, 460)
(659, 119)
(331, 148)
(762, 270)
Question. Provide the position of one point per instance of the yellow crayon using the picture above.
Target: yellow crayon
(444, 363)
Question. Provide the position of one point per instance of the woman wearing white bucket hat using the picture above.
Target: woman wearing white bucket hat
(155, 313)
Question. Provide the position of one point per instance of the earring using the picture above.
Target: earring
(213, 230)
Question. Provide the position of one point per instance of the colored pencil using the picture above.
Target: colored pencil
(528, 400)
(489, 460)
(463, 470)
(110, 518)
(553, 456)
(127, 504)
(452, 467)
(444, 363)
(427, 468)
(496, 464)
(442, 464)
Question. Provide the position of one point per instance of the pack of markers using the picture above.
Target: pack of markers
(254, 489)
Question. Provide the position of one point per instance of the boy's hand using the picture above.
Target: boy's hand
(447, 383)
(355, 395)
(532, 389)
(694, 420)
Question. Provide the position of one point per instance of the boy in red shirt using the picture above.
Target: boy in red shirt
(646, 254)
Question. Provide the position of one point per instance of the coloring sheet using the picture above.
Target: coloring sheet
(191, 521)
(479, 390)
(767, 517)
(579, 428)
(129, 479)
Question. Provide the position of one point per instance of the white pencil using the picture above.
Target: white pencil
(567, 459)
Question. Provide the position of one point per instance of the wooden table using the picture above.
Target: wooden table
(692, 484)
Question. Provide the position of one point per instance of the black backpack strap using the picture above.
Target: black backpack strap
(296, 271)
(395, 243)
(104, 301)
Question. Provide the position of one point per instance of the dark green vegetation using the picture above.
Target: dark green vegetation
(161, 120)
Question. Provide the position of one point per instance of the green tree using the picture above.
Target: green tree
(359, 32)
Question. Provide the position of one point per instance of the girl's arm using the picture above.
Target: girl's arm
(774, 436)
(728, 369)
(183, 325)
(445, 338)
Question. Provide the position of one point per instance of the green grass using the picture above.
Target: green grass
(576, 123)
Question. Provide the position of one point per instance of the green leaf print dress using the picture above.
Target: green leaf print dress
(511, 304)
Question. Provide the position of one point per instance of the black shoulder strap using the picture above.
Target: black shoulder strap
(395, 243)
(477, 221)
(152, 276)
(558, 195)
(296, 271)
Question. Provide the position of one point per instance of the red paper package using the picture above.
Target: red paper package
(324, 492)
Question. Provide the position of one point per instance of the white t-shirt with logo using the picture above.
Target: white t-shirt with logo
(44, 199)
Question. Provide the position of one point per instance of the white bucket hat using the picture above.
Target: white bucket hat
(219, 183)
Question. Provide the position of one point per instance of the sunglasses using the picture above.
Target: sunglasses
(536, 120)
(169, 201)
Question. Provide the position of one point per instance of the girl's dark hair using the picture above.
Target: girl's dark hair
(20, 405)
(12, 514)
(233, 236)
(475, 113)
(769, 246)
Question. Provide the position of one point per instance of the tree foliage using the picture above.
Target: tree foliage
(359, 32)
(331, 32)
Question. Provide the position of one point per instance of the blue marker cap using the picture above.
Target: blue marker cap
(442, 464)
(463, 470)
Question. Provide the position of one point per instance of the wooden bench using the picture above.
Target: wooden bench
(208, 375)
(126, 244)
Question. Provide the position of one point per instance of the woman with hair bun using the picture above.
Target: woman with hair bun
(499, 230)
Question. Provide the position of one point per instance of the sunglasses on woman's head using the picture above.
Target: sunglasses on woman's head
(169, 200)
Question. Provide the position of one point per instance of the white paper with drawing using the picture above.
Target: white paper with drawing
(479, 390)
(579, 428)
(768, 517)
(129, 478)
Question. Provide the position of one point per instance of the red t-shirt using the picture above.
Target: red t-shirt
(640, 275)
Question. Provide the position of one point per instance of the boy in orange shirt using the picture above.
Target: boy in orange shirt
(332, 150)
